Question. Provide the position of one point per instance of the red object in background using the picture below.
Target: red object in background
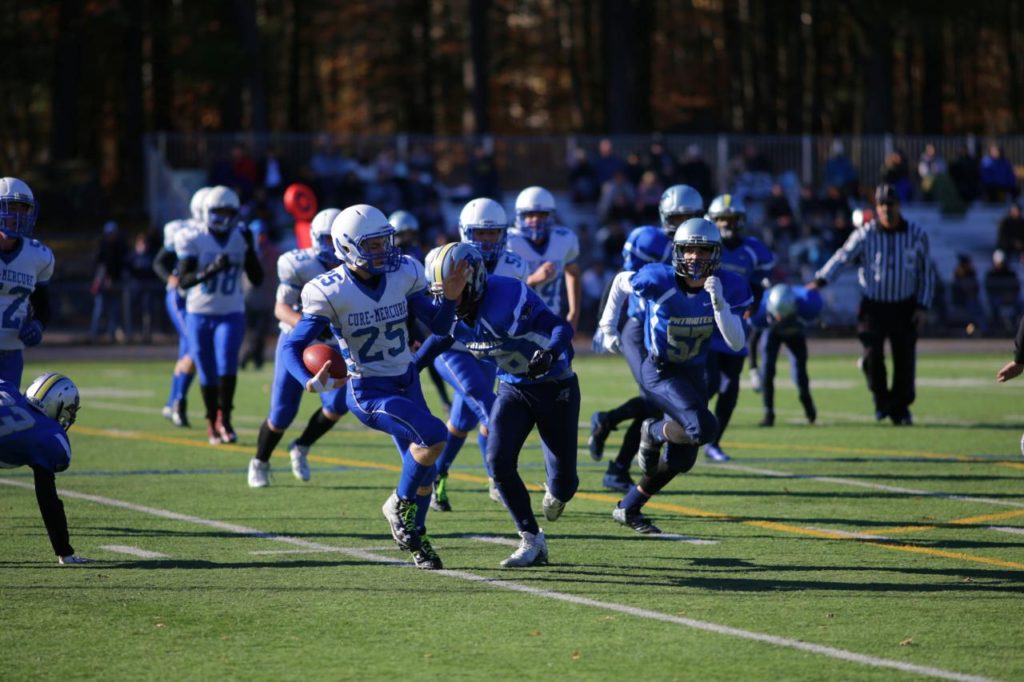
(300, 202)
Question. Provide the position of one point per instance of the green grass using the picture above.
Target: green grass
(940, 593)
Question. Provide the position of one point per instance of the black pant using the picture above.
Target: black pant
(877, 321)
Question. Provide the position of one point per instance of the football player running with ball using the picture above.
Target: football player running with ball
(365, 302)
(682, 305)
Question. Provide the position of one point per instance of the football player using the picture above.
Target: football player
(26, 266)
(33, 433)
(749, 258)
(407, 234)
(165, 266)
(211, 260)
(294, 270)
(682, 304)
(365, 302)
(647, 244)
(504, 322)
(550, 251)
(784, 315)
(483, 224)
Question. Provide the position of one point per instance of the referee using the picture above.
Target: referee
(897, 284)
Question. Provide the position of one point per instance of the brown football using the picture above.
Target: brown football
(316, 355)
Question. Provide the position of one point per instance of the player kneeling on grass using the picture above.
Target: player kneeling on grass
(503, 322)
(33, 433)
(784, 314)
(365, 302)
(682, 304)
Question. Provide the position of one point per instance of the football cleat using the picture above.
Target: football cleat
(439, 500)
(769, 419)
(532, 551)
(650, 450)
(553, 507)
(755, 380)
(618, 480)
(167, 411)
(635, 520)
(401, 516)
(225, 430)
(212, 434)
(425, 557)
(259, 473)
(73, 560)
(599, 430)
(715, 453)
(179, 416)
(904, 420)
(300, 466)
(493, 492)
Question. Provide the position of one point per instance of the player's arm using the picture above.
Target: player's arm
(543, 274)
(728, 318)
(189, 274)
(31, 333)
(163, 264)
(252, 265)
(618, 294)
(848, 253)
(52, 509)
(1014, 367)
(285, 313)
(559, 334)
(574, 291)
(306, 331)
(433, 346)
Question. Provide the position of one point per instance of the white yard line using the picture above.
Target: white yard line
(134, 551)
(1016, 530)
(850, 534)
(773, 640)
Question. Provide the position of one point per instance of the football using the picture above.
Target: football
(316, 355)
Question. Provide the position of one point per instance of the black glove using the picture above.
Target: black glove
(219, 264)
(540, 363)
(250, 239)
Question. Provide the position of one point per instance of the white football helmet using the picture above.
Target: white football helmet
(484, 214)
(353, 227)
(18, 208)
(535, 200)
(195, 206)
(220, 208)
(678, 204)
(442, 262)
(320, 235)
(56, 396)
(781, 302)
(730, 208)
(403, 221)
(696, 232)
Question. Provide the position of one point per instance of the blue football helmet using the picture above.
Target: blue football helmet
(441, 263)
(484, 214)
(353, 227)
(18, 208)
(782, 303)
(320, 236)
(678, 204)
(535, 201)
(646, 244)
(696, 232)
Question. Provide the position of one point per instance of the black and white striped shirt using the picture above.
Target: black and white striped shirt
(894, 265)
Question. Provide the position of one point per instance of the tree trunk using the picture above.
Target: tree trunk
(245, 12)
(68, 71)
(931, 90)
(878, 78)
(130, 121)
(476, 71)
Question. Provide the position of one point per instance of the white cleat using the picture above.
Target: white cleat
(300, 467)
(259, 473)
(167, 412)
(73, 560)
(532, 551)
(493, 493)
(755, 380)
(553, 507)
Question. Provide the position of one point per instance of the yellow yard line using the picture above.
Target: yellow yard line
(969, 521)
(663, 506)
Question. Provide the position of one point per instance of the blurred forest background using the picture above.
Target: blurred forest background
(84, 80)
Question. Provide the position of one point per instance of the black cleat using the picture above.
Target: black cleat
(425, 557)
(768, 421)
(617, 480)
(599, 430)
(401, 516)
(635, 520)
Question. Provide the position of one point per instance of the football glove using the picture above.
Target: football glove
(713, 286)
(31, 333)
(219, 264)
(540, 363)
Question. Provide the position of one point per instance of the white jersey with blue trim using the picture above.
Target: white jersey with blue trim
(562, 248)
(172, 229)
(294, 270)
(511, 264)
(369, 323)
(29, 265)
(221, 294)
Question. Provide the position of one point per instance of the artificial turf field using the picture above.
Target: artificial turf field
(848, 550)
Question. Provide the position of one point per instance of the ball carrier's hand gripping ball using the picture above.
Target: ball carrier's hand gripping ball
(300, 202)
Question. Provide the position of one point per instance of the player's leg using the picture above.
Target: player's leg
(603, 423)
(332, 408)
(796, 346)
(769, 363)
(730, 368)
(200, 346)
(871, 331)
(285, 396)
(903, 340)
(556, 408)
(754, 344)
(228, 337)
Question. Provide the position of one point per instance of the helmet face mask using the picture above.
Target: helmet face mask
(365, 240)
(678, 204)
(18, 208)
(696, 249)
(483, 224)
(535, 208)
(220, 209)
(441, 263)
(56, 396)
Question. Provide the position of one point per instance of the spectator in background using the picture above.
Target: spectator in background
(383, 192)
(998, 181)
(610, 240)
(145, 289)
(328, 167)
(964, 172)
(595, 279)
(582, 180)
(617, 201)
(483, 173)
(965, 295)
(648, 196)
(929, 167)
(696, 173)
(780, 227)
(1010, 236)
(661, 162)
(896, 172)
(276, 177)
(107, 283)
(607, 163)
(244, 171)
(634, 168)
(839, 170)
(1003, 291)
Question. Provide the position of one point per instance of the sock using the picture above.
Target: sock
(267, 441)
(631, 409)
(422, 507)
(412, 474)
(630, 444)
(318, 425)
(517, 499)
(210, 392)
(227, 395)
(634, 499)
(481, 441)
(657, 431)
(186, 382)
(175, 392)
(451, 450)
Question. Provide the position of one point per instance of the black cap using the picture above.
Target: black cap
(886, 194)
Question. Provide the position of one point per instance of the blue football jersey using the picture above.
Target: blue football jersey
(27, 436)
(808, 308)
(677, 323)
(512, 323)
